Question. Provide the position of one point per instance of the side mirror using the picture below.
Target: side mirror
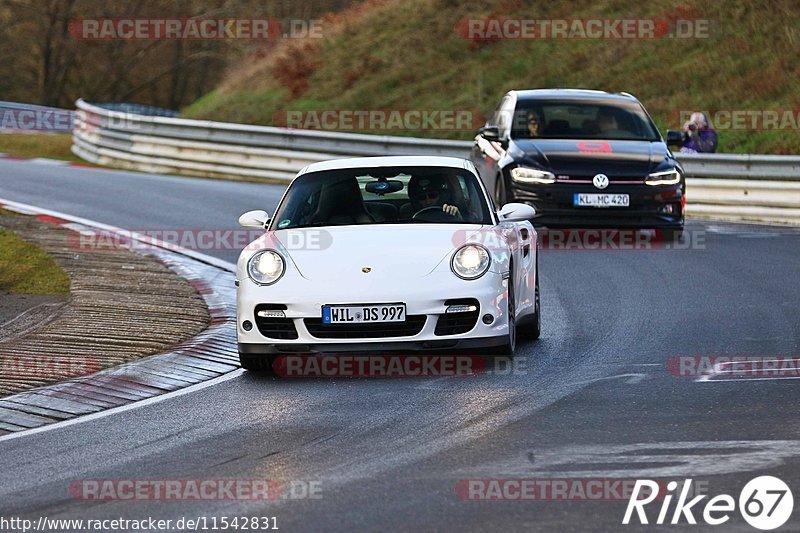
(254, 219)
(490, 133)
(516, 212)
(674, 138)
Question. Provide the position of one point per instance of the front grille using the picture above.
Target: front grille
(412, 326)
(275, 328)
(455, 323)
(612, 180)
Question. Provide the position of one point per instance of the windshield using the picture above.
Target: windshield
(577, 120)
(383, 195)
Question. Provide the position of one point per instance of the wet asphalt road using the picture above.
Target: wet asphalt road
(593, 399)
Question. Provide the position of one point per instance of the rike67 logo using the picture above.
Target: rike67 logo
(765, 503)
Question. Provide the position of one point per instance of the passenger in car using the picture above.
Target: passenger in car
(381, 211)
(611, 123)
(557, 127)
(606, 122)
(340, 203)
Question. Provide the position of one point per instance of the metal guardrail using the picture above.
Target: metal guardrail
(735, 186)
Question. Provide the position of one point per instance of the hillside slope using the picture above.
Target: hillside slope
(408, 55)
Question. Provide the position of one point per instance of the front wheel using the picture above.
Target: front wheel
(511, 340)
(531, 326)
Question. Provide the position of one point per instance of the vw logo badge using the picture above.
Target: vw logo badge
(600, 181)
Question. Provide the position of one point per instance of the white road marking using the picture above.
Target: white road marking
(647, 460)
(121, 409)
(33, 210)
(630, 379)
(223, 265)
(718, 374)
(45, 161)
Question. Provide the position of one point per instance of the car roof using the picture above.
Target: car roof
(571, 94)
(388, 161)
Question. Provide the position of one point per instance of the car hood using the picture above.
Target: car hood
(584, 158)
(392, 251)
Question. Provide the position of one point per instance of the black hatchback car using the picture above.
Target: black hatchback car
(582, 158)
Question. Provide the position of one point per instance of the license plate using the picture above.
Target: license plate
(582, 199)
(363, 314)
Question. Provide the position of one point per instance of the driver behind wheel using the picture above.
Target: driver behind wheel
(431, 192)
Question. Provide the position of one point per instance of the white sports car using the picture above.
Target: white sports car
(387, 253)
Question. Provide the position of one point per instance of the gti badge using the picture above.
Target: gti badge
(366, 270)
(600, 181)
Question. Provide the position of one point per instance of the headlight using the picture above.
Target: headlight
(266, 267)
(470, 261)
(667, 177)
(532, 175)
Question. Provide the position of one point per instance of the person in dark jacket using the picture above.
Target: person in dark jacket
(698, 135)
(428, 192)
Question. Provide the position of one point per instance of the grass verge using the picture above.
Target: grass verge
(27, 269)
(49, 145)
(410, 55)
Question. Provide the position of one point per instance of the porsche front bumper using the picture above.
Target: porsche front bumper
(425, 307)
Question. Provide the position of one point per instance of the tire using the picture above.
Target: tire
(531, 327)
(256, 362)
(510, 345)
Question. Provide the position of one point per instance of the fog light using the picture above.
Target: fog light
(669, 208)
(247, 325)
(271, 313)
(487, 319)
(461, 308)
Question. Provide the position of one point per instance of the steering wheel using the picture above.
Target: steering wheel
(434, 213)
